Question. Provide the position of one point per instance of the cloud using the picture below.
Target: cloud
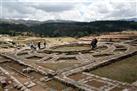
(122, 10)
(105, 10)
(54, 7)
(84, 10)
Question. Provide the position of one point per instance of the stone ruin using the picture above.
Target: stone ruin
(65, 67)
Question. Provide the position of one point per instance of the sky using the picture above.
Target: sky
(75, 10)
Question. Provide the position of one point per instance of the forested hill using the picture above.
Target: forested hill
(73, 29)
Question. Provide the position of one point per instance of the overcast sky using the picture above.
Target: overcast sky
(78, 10)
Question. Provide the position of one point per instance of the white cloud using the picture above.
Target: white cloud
(84, 10)
(53, 7)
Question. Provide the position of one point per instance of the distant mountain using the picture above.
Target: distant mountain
(131, 19)
(59, 21)
(33, 22)
(20, 21)
(58, 28)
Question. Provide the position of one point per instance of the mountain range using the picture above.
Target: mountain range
(35, 22)
(59, 28)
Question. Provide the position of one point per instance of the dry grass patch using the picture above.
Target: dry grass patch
(77, 76)
(58, 86)
(96, 83)
(124, 70)
(57, 66)
(73, 48)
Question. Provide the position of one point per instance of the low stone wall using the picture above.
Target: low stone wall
(22, 63)
(111, 61)
(97, 63)
(73, 44)
(70, 83)
(16, 83)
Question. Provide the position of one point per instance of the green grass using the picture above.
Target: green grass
(124, 70)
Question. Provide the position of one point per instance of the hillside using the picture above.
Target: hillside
(63, 28)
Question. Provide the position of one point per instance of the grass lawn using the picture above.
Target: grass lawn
(124, 70)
